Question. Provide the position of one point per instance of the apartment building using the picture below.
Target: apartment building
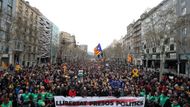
(83, 48)
(54, 43)
(132, 41)
(7, 13)
(66, 44)
(44, 40)
(183, 44)
(25, 47)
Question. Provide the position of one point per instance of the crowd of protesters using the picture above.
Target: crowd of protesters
(35, 86)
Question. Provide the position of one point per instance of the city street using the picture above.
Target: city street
(94, 53)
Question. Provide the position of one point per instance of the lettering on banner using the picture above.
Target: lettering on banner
(61, 101)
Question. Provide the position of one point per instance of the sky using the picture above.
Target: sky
(94, 21)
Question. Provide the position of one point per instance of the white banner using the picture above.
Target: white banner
(61, 101)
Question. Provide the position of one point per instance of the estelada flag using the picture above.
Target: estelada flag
(98, 50)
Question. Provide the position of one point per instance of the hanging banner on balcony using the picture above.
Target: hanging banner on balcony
(61, 101)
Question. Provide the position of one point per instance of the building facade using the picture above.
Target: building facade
(54, 43)
(44, 46)
(133, 41)
(83, 48)
(172, 47)
(7, 13)
(67, 38)
(27, 37)
(67, 43)
(137, 42)
(183, 47)
(20, 38)
(158, 41)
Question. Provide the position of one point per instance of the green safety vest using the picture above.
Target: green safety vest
(175, 105)
(43, 96)
(151, 98)
(49, 95)
(41, 103)
(26, 96)
(163, 99)
(156, 98)
(9, 104)
(35, 96)
(148, 97)
(142, 93)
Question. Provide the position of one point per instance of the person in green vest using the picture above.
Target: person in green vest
(142, 93)
(164, 99)
(6, 103)
(40, 102)
(175, 104)
(156, 97)
(35, 96)
(25, 96)
(49, 95)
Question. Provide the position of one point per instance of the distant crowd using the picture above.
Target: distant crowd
(36, 86)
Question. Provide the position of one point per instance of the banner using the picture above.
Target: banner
(61, 101)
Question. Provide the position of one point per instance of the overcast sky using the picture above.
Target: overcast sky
(93, 21)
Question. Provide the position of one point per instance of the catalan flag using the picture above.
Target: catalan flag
(98, 50)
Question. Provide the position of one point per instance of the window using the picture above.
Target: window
(29, 48)
(24, 47)
(172, 47)
(144, 46)
(26, 12)
(34, 57)
(1, 34)
(174, 2)
(158, 56)
(9, 10)
(29, 57)
(24, 57)
(147, 50)
(8, 25)
(184, 10)
(10, 2)
(1, 5)
(154, 49)
(184, 31)
(18, 45)
(183, 2)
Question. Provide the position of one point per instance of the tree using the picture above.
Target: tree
(116, 51)
(158, 28)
